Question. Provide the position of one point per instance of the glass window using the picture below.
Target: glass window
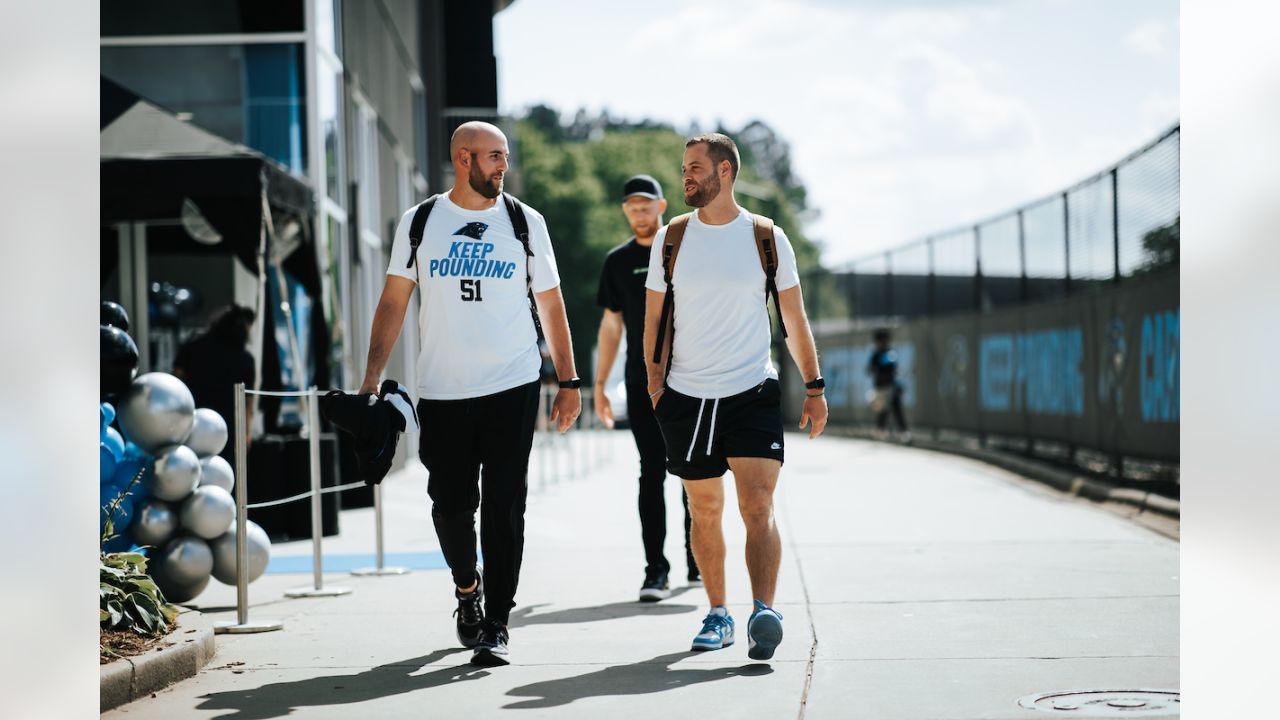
(205, 81)
(126, 18)
(329, 25)
(275, 103)
(339, 316)
(250, 94)
(420, 130)
(329, 102)
(367, 173)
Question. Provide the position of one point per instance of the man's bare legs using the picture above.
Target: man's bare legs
(756, 479)
(706, 506)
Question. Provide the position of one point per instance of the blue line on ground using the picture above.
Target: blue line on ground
(347, 563)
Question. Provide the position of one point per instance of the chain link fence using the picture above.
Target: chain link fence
(1053, 327)
(1118, 224)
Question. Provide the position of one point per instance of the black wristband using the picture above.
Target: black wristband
(816, 384)
(571, 384)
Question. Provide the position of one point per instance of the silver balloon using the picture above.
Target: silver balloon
(207, 512)
(154, 522)
(157, 410)
(208, 433)
(176, 474)
(176, 592)
(258, 551)
(217, 472)
(186, 560)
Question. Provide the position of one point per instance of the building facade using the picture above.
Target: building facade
(356, 98)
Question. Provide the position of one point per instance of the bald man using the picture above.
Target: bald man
(478, 371)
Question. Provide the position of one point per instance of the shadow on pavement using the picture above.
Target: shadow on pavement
(283, 698)
(525, 616)
(648, 676)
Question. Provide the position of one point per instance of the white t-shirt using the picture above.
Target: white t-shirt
(721, 322)
(477, 333)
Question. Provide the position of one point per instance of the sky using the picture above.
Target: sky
(904, 117)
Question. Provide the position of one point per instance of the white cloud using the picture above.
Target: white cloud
(1148, 38)
(903, 118)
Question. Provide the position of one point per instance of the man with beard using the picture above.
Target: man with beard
(478, 372)
(715, 392)
(621, 295)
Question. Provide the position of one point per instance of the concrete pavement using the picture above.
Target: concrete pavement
(914, 586)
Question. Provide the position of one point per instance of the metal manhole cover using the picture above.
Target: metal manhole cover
(1105, 703)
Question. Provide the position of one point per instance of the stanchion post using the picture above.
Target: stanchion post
(242, 624)
(317, 515)
(379, 568)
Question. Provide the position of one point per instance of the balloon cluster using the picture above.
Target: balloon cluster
(179, 489)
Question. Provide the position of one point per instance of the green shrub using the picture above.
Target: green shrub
(128, 599)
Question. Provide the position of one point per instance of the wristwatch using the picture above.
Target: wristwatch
(816, 384)
(571, 384)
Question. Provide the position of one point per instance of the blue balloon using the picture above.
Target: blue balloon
(106, 464)
(126, 470)
(112, 440)
(108, 413)
(133, 452)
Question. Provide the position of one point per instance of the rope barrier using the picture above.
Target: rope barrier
(307, 494)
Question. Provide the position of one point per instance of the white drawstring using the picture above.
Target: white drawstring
(715, 406)
(694, 440)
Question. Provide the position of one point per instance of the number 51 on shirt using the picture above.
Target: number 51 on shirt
(470, 290)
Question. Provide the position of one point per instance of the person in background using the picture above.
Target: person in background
(622, 296)
(213, 362)
(883, 369)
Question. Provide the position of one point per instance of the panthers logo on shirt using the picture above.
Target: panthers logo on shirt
(472, 230)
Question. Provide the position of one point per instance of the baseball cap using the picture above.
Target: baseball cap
(642, 185)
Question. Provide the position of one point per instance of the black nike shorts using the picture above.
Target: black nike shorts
(701, 435)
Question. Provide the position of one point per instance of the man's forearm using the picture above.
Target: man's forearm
(555, 326)
(652, 311)
(607, 341)
(799, 335)
(803, 350)
(387, 321)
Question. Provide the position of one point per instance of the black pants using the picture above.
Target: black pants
(653, 473)
(474, 447)
(894, 405)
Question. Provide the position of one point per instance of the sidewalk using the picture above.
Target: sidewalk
(914, 585)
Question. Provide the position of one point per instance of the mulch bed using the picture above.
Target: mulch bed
(115, 644)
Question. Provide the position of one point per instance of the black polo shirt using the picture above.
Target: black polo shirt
(622, 290)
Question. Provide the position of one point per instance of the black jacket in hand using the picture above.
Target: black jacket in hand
(374, 422)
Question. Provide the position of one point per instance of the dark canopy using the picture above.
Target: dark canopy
(152, 162)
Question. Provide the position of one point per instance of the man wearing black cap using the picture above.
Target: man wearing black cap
(622, 297)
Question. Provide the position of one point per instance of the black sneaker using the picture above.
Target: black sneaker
(470, 613)
(655, 586)
(492, 649)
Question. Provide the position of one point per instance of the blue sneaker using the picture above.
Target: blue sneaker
(764, 632)
(717, 630)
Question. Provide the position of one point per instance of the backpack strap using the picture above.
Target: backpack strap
(666, 323)
(417, 226)
(519, 223)
(767, 249)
